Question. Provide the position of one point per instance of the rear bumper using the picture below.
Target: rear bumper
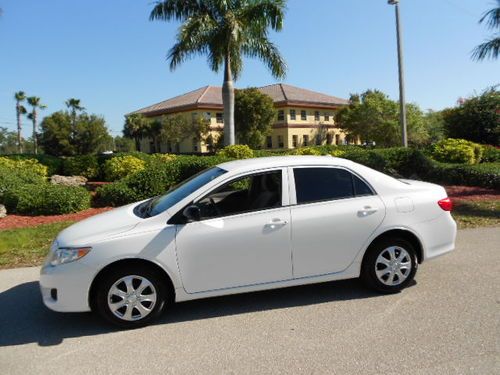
(65, 287)
(438, 235)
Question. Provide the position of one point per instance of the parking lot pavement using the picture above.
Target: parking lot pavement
(446, 323)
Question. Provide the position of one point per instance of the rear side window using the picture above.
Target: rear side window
(322, 184)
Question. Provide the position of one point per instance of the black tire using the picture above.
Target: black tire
(115, 274)
(368, 268)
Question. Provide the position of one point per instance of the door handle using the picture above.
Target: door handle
(276, 223)
(367, 210)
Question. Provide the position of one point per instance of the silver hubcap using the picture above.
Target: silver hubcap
(393, 266)
(132, 298)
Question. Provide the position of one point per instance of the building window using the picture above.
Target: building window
(269, 142)
(316, 116)
(195, 145)
(220, 118)
(337, 139)
(208, 116)
(280, 141)
(327, 117)
(305, 140)
(318, 139)
(293, 115)
(303, 115)
(295, 140)
(281, 115)
(329, 138)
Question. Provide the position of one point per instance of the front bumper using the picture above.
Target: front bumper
(72, 284)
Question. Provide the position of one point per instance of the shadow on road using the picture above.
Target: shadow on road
(24, 319)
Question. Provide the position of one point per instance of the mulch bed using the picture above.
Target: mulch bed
(459, 193)
(20, 221)
(471, 193)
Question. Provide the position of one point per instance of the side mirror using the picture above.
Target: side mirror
(192, 213)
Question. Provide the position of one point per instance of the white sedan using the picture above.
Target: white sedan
(245, 226)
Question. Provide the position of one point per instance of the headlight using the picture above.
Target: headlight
(68, 254)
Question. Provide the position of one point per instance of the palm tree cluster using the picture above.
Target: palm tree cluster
(225, 31)
(35, 103)
(20, 97)
(490, 48)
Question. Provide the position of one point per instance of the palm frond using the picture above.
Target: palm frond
(268, 53)
(492, 17)
(175, 9)
(20, 96)
(489, 49)
(264, 13)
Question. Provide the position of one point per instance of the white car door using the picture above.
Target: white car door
(334, 215)
(243, 236)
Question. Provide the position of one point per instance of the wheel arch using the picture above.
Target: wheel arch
(399, 233)
(130, 262)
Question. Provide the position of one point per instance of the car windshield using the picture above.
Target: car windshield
(163, 202)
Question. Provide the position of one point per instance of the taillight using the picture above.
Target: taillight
(446, 204)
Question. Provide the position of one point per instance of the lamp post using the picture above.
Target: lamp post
(402, 102)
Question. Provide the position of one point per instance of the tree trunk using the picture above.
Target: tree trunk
(228, 101)
(35, 142)
(19, 129)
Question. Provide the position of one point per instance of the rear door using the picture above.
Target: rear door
(334, 214)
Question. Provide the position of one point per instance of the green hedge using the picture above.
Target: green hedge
(46, 199)
(13, 179)
(84, 165)
(484, 175)
(53, 163)
(453, 150)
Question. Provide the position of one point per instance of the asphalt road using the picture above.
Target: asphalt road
(446, 323)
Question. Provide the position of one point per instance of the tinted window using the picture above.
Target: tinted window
(249, 193)
(360, 187)
(319, 184)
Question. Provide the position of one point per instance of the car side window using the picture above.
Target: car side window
(323, 184)
(250, 193)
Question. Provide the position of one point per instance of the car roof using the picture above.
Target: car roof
(244, 165)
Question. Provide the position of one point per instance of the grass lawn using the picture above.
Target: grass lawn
(27, 246)
(472, 214)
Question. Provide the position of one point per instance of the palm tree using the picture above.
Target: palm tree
(74, 107)
(20, 97)
(136, 127)
(34, 102)
(225, 30)
(490, 48)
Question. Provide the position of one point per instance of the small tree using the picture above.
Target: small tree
(372, 116)
(476, 119)
(179, 128)
(254, 115)
(123, 144)
(8, 141)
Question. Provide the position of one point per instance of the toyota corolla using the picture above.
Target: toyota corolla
(245, 226)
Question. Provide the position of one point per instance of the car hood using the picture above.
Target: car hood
(99, 227)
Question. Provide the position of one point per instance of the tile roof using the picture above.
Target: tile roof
(211, 97)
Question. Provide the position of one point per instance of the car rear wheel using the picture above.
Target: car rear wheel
(390, 265)
(131, 298)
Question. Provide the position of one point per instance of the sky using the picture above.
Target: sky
(109, 55)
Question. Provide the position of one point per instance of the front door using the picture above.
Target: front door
(243, 237)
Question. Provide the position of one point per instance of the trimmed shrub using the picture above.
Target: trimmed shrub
(46, 199)
(369, 158)
(305, 151)
(84, 165)
(405, 162)
(484, 175)
(161, 158)
(236, 152)
(461, 151)
(53, 163)
(491, 154)
(12, 179)
(115, 194)
(28, 165)
(121, 167)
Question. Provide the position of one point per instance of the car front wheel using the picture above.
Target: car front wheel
(390, 265)
(131, 298)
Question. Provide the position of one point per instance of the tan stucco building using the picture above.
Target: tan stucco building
(304, 117)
